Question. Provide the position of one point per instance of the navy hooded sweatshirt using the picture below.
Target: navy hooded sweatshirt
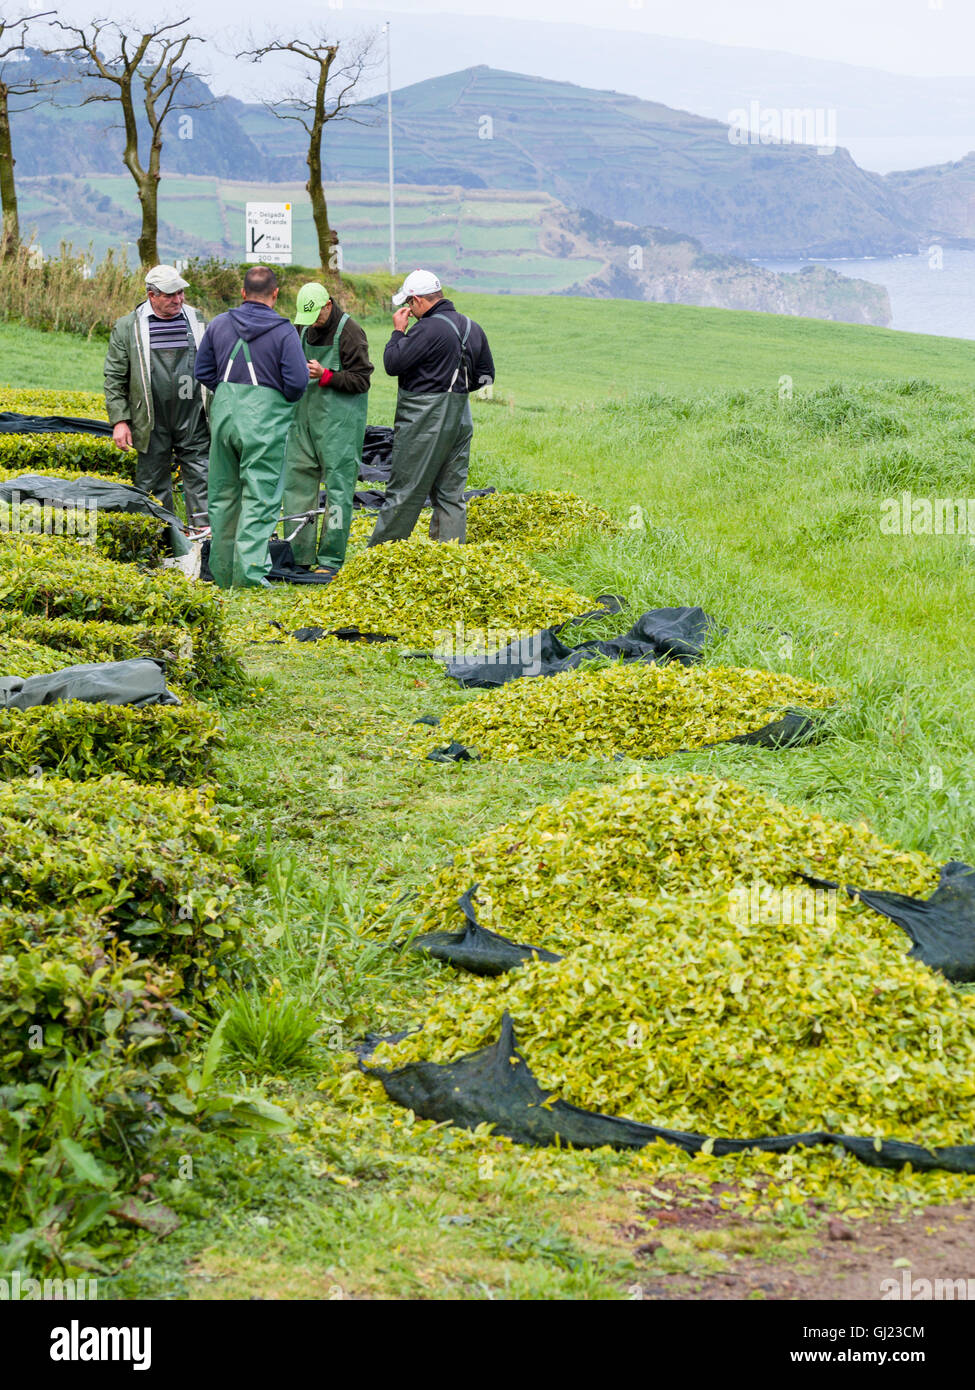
(274, 346)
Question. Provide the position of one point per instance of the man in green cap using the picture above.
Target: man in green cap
(325, 443)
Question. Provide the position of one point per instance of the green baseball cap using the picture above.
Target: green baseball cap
(312, 299)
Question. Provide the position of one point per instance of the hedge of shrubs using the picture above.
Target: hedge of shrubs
(121, 901)
(52, 577)
(67, 455)
(120, 904)
(159, 743)
(50, 644)
(154, 866)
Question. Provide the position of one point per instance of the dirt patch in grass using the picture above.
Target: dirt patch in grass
(704, 1251)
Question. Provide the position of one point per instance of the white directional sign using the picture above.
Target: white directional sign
(267, 235)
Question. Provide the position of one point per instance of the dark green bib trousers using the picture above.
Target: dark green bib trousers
(249, 427)
(431, 455)
(324, 453)
(180, 436)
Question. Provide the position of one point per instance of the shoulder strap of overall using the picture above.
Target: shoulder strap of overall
(247, 358)
(463, 348)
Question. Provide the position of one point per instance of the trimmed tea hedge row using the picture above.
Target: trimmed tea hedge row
(37, 400)
(128, 537)
(76, 739)
(49, 644)
(153, 867)
(56, 578)
(66, 454)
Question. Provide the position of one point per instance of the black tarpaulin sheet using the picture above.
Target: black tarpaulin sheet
(106, 495)
(476, 949)
(138, 682)
(663, 634)
(495, 1086)
(377, 453)
(13, 423)
(941, 927)
(282, 571)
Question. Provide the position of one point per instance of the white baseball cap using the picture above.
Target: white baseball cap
(166, 279)
(421, 282)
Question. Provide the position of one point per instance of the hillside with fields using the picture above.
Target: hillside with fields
(279, 840)
(619, 157)
(501, 241)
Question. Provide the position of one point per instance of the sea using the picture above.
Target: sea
(933, 292)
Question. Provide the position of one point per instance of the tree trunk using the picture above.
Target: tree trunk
(149, 200)
(316, 183)
(146, 185)
(10, 237)
(319, 207)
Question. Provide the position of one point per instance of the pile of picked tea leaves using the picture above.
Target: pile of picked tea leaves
(626, 710)
(433, 596)
(592, 862)
(697, 1019)
(527, 522)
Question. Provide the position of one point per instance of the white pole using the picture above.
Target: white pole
(389, 123)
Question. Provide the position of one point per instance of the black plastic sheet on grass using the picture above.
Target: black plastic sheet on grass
(140, 681)
(11, 422)
(496, 1086)
(476, 949)
(663, 634)
(941, 927)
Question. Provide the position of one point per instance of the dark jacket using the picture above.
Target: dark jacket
(274, 345)
(355, 368)
(426, 358)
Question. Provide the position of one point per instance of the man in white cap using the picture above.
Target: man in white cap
(155, 404)
(439, 362)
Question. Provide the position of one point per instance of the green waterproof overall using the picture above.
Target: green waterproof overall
(324, 453)
(431, 453)
(249, 427)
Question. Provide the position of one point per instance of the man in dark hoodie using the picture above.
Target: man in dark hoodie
(439, 362)
(251, 359)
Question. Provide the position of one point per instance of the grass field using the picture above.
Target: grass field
(748, 457)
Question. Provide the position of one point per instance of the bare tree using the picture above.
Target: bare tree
(327, 95)
(154, 61)
(15, 29)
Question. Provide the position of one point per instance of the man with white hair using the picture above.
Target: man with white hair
(155, 403)
(439, 362)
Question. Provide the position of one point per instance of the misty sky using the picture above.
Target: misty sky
(922, 37)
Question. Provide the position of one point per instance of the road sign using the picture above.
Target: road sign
(267, 233)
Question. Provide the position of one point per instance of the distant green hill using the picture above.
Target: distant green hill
(939, 200)
(627, 159)
(622, 158)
